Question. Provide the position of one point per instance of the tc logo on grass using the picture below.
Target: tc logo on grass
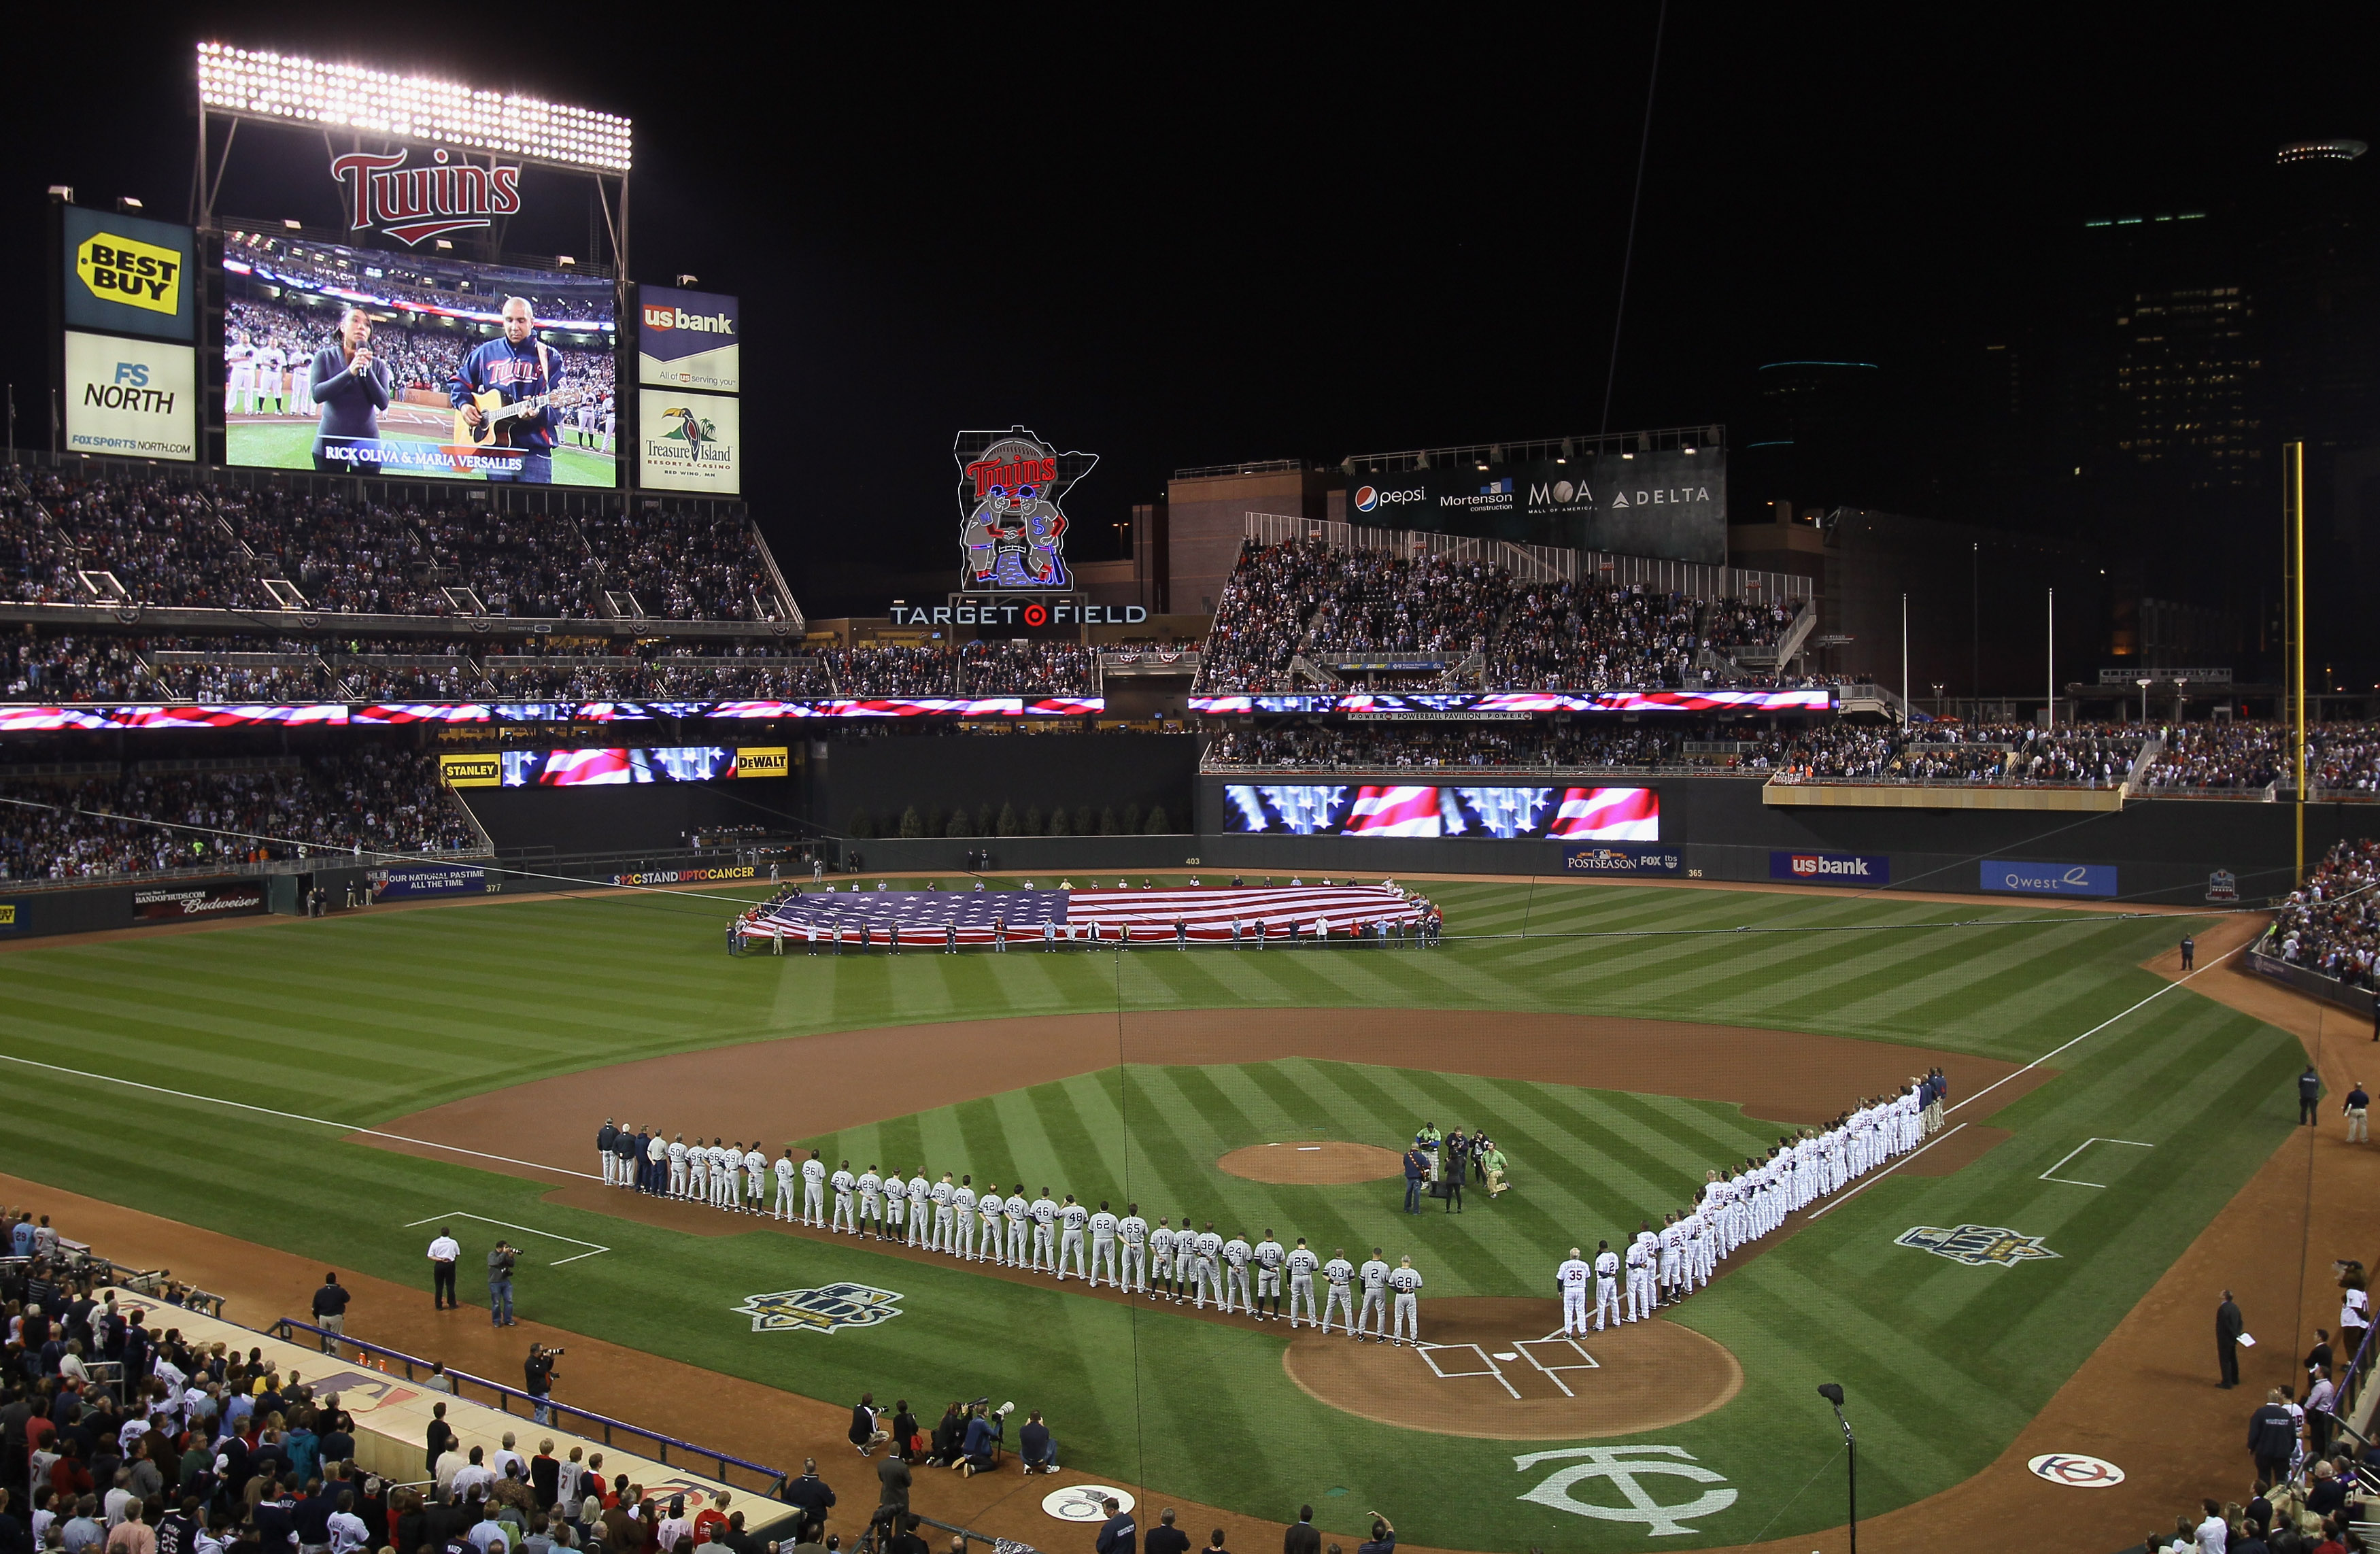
(820, 1310)
(1623, 1465)
(1976, 1245)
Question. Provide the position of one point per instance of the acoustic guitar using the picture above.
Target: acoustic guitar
(498, 420)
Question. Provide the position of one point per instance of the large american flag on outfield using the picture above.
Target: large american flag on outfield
(1207, 912)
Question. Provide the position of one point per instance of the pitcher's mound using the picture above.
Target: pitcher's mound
(1490, 1372)
(1308, 1165)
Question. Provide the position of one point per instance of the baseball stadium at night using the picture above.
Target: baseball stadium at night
(1742, 941)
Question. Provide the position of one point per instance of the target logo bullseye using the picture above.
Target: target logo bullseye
(2076, 1471)
(1036, 615)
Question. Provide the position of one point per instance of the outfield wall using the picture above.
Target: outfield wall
(2162, 850)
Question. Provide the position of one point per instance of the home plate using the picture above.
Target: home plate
(1508, 1356)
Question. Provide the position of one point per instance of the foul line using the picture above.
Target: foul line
(2037, 1062)
(1880, 1175)
(2101, 1026)
(2072, 1182)
(508, 1224)
(295, 1117)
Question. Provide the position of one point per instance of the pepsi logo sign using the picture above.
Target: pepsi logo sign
(1367, 499)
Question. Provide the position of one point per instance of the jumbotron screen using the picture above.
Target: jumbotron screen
(467, 371)
(1507, 813)
(604, 767)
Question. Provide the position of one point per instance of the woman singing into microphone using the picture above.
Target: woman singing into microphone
(352, 388)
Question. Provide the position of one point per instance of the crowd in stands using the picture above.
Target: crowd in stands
(170, 542)
(1303, 597)
(1016, 668)
(2331, 923)
(71, 669)
(386, 801)
(2240, 756)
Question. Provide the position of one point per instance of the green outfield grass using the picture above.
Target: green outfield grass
(290, 446)
(365, 1018)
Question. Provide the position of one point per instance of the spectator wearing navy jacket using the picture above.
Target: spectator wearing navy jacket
(1116, 1533)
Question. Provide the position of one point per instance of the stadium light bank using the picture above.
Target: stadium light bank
(291, 90)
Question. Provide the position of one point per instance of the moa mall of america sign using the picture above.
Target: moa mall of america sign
(1671, 503)
(1011, 525)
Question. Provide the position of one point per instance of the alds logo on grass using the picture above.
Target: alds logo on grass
(1976, 1245)
(820, 1310)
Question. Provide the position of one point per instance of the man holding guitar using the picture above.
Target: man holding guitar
(518, 370)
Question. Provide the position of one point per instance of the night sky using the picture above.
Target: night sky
(1249, 238)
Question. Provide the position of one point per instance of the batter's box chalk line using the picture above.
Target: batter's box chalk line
(592, 1248)
(1520, 1349)
(2050, 1176)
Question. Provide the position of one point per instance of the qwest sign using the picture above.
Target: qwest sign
(411, 204)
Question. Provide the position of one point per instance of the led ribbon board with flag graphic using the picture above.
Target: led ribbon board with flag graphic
(1501, 813)
(43, 720)
(1519, 703)
(1011, 528)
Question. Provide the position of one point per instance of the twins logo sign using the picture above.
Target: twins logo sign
(1623, 1465)
(822, 1310)
(1012, 531)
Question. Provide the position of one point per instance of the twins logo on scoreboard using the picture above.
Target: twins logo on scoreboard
(1012, 531)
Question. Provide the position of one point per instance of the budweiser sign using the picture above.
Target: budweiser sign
(413, 203)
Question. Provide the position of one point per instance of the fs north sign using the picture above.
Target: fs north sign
(412, 204)
(690, 339)
(1012, 529)
(1830, 868)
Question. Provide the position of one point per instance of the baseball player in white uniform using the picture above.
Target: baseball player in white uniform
(698, 1169)
(726, 1174)
(1405, 1279)
(1640, 1279)
(1571, 1279)
(786, 1172)
(1103, 1246)
(1132, 1230)
(677, 1165)
(1045, 1235)
(920, 1193)
(945, 1195)
(239, 359)
(1073, 1217)
(1016, 1209)
(987, 1208)
(1211, 1266)
(1338, 1274)
(1302, 1262)
(1269, 1256)
(871, 1206)
(963, 1219)
(846, 1218)
(756, 1169)
(1161, 1252)
(814, 1191)
(1372, 1322)
(1607, 1284)
(1236, 1252)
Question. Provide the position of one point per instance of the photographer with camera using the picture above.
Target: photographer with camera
(537, 1370)
(985, 1425)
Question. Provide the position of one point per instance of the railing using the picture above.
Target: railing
(83, 1263)
(1535, 564)
(2305, 979)
(191, 874)
(506, 1396)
